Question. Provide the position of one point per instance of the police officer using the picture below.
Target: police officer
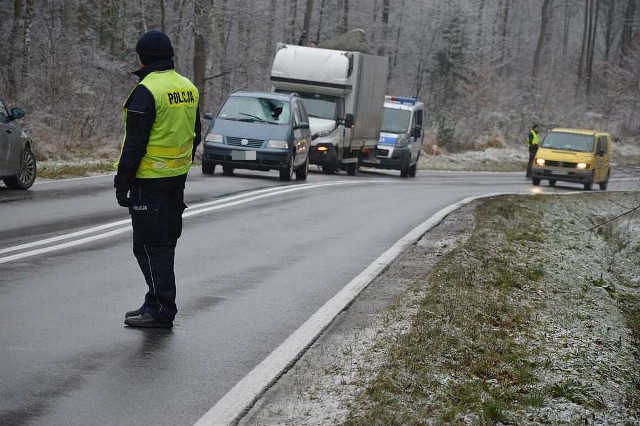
(162, 132)
(534, 141)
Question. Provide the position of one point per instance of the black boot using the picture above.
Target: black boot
(147, 320)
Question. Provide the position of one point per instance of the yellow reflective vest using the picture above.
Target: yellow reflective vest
(171, 139)
(535, 140)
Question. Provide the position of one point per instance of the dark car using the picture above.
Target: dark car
(259, 131)
(17, 162)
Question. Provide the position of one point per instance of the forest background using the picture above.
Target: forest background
(486, 69)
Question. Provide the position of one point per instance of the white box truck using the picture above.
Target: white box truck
(343, 93)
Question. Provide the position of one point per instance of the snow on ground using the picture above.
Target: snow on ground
(586, 347)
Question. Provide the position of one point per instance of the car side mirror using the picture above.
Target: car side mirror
(348, 120)
(17, 113)
(301, 125)
(208, 116)
(600, 153)
(416, 132)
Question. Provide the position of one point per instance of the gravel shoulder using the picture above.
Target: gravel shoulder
(579, 338)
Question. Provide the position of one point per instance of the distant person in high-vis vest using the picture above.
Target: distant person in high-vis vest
(534, 142)
(162, 132)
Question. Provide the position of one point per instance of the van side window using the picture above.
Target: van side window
(602, 145)
(418, 119)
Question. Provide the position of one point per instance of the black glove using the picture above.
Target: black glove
(123, 198)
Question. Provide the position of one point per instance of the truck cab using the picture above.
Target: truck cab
(401, 136)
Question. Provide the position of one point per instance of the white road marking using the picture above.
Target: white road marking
(239, 400)
(125, 225)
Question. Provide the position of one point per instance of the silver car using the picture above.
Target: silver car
(17, 162)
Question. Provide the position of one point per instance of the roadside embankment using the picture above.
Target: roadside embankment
(518, 309)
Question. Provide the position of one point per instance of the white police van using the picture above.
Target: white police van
(400, 140)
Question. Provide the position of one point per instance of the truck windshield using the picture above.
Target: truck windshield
(245, 108)
(319, 106)
(395, 120)
(568, 142)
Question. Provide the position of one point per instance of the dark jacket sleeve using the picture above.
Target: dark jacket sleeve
(198, 137)
(141, 113)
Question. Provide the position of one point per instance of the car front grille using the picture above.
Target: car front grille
(251, 143)
(560, 164)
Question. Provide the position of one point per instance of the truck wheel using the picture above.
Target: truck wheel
(535, 182)
(330, 167)
(208, 168)
(303, 171)
(351, 168)
(552, 183)
(227, 170)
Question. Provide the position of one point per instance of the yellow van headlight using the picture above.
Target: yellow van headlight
(540, 161)
(581, 166)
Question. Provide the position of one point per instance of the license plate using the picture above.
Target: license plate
(558, 172)
(243, 155)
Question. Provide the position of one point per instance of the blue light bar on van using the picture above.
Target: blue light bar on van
(401, 99)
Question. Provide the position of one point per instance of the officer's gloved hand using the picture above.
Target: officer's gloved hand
(123, 198)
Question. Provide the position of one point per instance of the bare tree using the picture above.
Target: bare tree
(541, 35)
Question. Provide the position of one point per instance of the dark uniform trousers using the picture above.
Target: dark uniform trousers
(156, 216)
(533, 150)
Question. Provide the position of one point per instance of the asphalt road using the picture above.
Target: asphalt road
(257, 258)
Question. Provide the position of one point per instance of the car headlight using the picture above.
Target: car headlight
(213, 137)
(323, 134)
(581, 166)
(275, 143)
(540, 161)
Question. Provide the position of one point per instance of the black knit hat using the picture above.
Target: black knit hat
(154, 46)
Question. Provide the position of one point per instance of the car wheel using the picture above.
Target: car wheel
(352, 168)
(28, 172)
(208, 168)
(552, 183)
(412, 169)
(285, 174)
(404, 171)
(227, 170)
(535, 181)
(589, 185)
(303, 171)
(604, 184)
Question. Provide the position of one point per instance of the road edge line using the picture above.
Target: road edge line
(238, 401)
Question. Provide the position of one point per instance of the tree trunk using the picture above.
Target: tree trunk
(385, 28)
(320, 21)
(344, 20)
(504, 30)
(626, 38)
(199, 49)
(397, 46)
(565, 29)
(306, 25)
(293, 10)
(585, 37)
(13, 41)
(26, 51)
(541, 35)
(592, 42)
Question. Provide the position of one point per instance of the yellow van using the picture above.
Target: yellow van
(573, 155)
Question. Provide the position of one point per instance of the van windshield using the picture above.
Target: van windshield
(319, 106)
(246, 108)
(568, 142)
(395, 120)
